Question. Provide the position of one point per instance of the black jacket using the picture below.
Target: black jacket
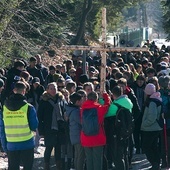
(45, 113)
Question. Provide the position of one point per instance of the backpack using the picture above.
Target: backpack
(124, 123)
(159, 120)
(90, 124)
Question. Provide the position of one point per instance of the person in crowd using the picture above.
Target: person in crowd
(122, 82)
(92, 72)
(154, 80)
(134, 71)
(138, 88)
(128, 75)
(18, 122)
(61, 84)
(150, 128)
(114, 71)
(84, 78)
(165, 95)
(35, 92)
(25, 75)
(88, 87)
(150, 72)
(83, 95)
(73, 114)
(1, 89)
(58, 68)
(93, 145)
(117, 149)
(66, 148)
(68, 65)
(139, 69)
(33, 97)
(15, 71)
(50, 77)
(51, 123)
(34, 71)
(41, 66)
(64, 72)
(79, 71)
(71, 87)
(72, 74)
(144, 64)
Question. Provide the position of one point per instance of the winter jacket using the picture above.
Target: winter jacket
(100, 138)
(111, 115)
(73, 113)
(35, 72)
(10, 80)
(43, 69)
(33, 96)
(165, 95)
(45, 113)
(14, 103)
(139, 93)
(49, 79)
(123, 101)
(151, 114)
(136, 109)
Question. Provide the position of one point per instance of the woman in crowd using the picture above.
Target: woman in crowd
(51, 123)
(150, 128)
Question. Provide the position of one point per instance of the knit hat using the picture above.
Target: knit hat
(150, 89)
(1, 83)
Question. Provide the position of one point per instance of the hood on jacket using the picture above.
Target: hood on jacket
(89, 103)
(46, 96)
(124, 101)
(15, 102)
(70, 108)
(156, 95)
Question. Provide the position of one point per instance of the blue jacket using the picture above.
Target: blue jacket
(73, 113)
(15, 102)
(165, 95)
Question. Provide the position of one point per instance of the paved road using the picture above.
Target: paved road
(139, 162)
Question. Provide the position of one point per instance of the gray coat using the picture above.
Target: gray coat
(73, 113)
(151, 114)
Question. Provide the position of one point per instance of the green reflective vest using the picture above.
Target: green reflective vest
(16, 124)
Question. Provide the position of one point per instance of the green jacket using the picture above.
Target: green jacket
(123, 101)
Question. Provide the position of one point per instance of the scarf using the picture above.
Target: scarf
(56, 114)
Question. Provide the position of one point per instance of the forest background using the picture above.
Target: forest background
(28, 27)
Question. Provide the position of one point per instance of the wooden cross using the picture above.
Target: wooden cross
(104, 49)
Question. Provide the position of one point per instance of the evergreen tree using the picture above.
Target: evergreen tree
(166, 17)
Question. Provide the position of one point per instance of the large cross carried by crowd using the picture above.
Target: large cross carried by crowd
(104, 49)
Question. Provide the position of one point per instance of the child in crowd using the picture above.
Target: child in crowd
(73, 113)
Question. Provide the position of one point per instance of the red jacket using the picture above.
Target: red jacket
(99, 139)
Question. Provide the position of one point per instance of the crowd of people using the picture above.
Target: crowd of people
(50, 102)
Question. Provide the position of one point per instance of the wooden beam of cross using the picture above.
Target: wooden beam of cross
(107, 49)
(103, 60)
(103, 49)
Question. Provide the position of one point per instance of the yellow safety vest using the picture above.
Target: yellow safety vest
(16, 124)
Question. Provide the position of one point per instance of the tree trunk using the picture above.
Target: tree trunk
(80, 33)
